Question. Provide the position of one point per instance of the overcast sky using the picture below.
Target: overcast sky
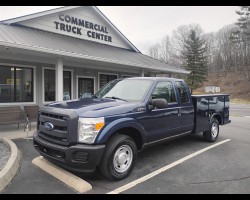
(147, 25)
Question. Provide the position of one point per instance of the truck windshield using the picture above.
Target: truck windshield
(108, 86)
(127, 89)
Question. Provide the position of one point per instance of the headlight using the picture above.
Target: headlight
(88, 128)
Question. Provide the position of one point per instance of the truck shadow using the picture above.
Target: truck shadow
(156, 156)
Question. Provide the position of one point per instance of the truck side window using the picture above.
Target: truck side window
(182, 92)
(164, 90)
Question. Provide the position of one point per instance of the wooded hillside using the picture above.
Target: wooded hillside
(214, 59)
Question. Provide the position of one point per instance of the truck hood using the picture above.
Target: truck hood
(96, 107)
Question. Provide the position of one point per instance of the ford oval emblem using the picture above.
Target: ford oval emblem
(48, 126)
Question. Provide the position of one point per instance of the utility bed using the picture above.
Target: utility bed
(206, 106)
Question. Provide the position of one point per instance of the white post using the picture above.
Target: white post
(59, 80)
(142, 73)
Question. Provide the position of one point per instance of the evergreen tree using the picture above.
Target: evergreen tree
(241, 37)
(244, 21)
(195, 55)
(242, 34)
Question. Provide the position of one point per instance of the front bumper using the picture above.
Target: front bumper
(79, 158)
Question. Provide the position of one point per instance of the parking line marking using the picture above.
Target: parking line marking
(163, 169)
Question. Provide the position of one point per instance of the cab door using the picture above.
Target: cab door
(186, 109)
(166, 122)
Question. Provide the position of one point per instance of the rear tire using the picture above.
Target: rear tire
(212, 134)
(119, 157)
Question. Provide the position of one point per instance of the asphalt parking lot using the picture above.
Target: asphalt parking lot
(240, 110)
(222, 169)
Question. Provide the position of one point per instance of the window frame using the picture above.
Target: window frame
(50, 68)
(34, 84)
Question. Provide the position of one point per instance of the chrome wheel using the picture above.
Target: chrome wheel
(214, 130)
(123, 158)
(212, 134)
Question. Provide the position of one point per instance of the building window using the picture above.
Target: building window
(105, 78)
(127, 76)
(66, 85)
(16, 84)
(50, 85)
(85, 87)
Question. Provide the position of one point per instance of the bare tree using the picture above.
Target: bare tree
(223, 51)
(154, 51)
(227, 49)
(165, 49)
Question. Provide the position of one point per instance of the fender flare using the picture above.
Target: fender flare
(217, 114)
(114, 126)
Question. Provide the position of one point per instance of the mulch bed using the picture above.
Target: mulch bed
(4, 155)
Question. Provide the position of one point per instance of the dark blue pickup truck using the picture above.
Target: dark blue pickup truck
(107, 130)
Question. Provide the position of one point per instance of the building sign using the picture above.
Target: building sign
(74, 25)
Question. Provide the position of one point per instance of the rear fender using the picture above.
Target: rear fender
(218, 117)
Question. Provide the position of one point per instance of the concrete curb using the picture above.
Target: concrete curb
(12, 166)
(66, 177)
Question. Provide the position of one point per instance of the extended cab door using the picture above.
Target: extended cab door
(163, 123)
(186, 109)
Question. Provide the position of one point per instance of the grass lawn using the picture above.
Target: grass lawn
(240, 101)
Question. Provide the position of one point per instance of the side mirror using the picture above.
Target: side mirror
(158, 103)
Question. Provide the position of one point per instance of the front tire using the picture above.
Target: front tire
(212, 134)
(119, 157)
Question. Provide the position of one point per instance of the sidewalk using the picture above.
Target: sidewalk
(12, 132)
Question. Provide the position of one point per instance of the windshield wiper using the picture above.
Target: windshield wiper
(115, 98)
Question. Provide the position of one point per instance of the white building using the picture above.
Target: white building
(63, 53)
